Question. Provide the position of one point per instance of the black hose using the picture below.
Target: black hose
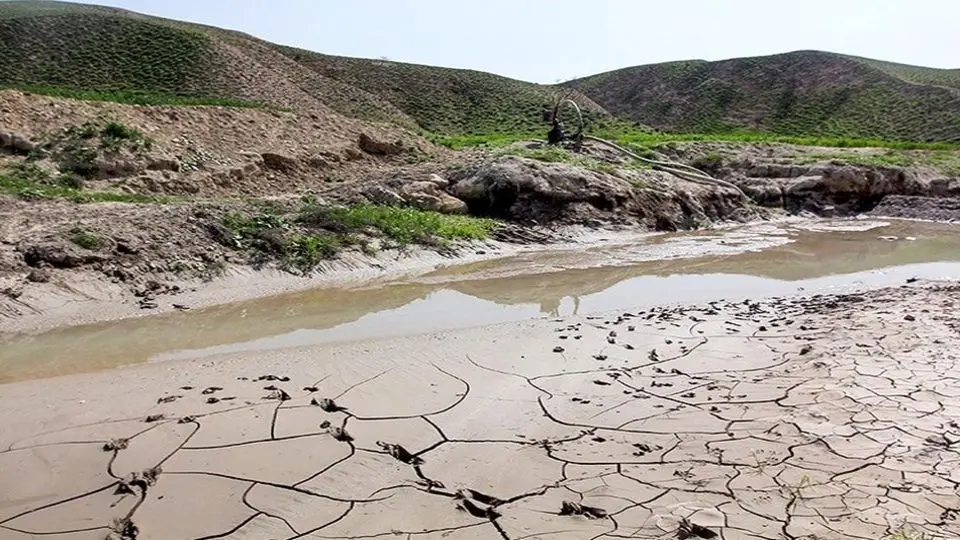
(691, 174)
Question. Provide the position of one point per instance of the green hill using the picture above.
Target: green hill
(98, 52)
(92, 52)
(799, 93)
(443, 100)
(916, 74)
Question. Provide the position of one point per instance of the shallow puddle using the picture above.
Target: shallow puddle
(733, 263)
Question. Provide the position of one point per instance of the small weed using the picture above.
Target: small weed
(80, 160)
(115, 136)
(117, 130)
(246, 226)
(84, 131)
(305, 252)
(761, 460)
(796, 491)
(87, 239)
(904, 534)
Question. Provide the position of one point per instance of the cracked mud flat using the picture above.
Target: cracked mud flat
(820, 417)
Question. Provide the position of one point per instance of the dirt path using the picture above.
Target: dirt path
(826, 417)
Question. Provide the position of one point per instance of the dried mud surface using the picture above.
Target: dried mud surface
(820, 417)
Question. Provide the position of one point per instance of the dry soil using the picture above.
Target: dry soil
(820, 417)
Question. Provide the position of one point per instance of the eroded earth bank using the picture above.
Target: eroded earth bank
(112, 210)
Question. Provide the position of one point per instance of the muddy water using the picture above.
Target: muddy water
(736, 262)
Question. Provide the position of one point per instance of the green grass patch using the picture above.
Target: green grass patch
(251, 225)
(409, 225)
(305, 238)
(86, 239)
(29, 182)
(306, 251)
(128, 97)
(647, 139)
(947, 162)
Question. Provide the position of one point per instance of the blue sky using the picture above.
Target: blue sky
(515, 37)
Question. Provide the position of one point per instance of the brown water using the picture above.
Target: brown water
(749, 261)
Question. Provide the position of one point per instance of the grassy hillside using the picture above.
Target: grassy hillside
(92, 52)
(800, 93)
(443, 100)
(916, 74)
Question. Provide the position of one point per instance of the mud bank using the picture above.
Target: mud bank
(61, 262)
(753, 419)
(83, 297)
(755, 261)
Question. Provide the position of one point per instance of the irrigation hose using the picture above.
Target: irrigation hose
(576, 108)
(680, 170)
(691, 174)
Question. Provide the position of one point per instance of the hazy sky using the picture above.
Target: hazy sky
(546, 40)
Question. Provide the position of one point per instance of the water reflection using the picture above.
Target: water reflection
(517, 288)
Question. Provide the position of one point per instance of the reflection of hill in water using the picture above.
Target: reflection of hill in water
(134, 340)
(811, 256)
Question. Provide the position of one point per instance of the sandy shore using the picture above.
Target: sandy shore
(825, 417)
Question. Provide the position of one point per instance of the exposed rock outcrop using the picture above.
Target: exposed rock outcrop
(836, 189)
(16, 143)
(278, 162)
(379, 148)
(523, 189)
(427, 195)
(58, 255)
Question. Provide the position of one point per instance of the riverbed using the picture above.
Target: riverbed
(740, 382)
(731, 263)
